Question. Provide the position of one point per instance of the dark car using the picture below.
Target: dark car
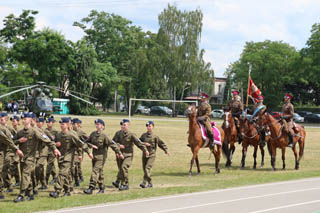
(276, 115)
(312, 118)
(160, 110)
(304, 113)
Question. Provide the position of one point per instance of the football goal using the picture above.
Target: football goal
(155, 100)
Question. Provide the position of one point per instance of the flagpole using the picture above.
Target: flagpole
(249, 76)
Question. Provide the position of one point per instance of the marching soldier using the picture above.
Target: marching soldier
(43, 155)
(6, 141)
(203, 116)
(126, 139)
(68, 143)
(28, 139)
(236, 109)
(11, 162)
(51, 169)
(152, 142)
(101, 142)
(76, 168)
(287, 117)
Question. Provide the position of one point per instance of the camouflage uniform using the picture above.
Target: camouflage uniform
(5, 142)
(147, 162)
(127, 139)
(30, 150)
(51, 169)
(203, 116)
(11, 165)
(76, 167)
(70, 143)
(102, 141)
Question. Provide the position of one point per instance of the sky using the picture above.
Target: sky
(227, 24)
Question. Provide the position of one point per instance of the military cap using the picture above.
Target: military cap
(3, 114)
(124, 121)
(14, 118)
(41, 119)
(26, 115)
(76, 120)
(235, 92)
(287, 95)
(150, 123)
(32, 115)
(260, 97)
(64, 120)
(99, 121)
(204, 95)
(51, 119)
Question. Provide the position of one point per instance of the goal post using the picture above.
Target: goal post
(157, 100)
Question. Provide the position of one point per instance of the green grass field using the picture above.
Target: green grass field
(170, 173)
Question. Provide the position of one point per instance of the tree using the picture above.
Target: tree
(271, 69)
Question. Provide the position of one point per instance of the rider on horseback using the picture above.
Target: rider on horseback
(259, 107)
(203, 117)
(236, 108)
(287, 117)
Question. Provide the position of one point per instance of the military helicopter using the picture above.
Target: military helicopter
(39, 100)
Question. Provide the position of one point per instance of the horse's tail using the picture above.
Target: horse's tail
(225, 149)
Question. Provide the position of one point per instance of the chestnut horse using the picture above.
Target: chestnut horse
(231, 136)
(251, 137)
(279, 139)
(196, 141)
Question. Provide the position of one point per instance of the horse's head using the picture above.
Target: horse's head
(191, 111)
(227, 117)
(262, 118)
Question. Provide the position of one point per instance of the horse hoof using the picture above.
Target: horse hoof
(242, 168)
(198, 173)
(296, 168)
(283, 169)
(261, 166)
(190, 174)
(254, 167)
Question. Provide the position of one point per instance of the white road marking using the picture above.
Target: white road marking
(287, 206)
(185, 195)
(234, 200)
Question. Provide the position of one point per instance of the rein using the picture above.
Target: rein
(280, 130)
(249, 137)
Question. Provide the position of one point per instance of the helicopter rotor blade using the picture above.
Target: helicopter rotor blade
(69, 94)
(13, 87)
(88, 96)
(18, 90)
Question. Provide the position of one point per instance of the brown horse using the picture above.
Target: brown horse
(251, 137)
(279, 139)
(196, 141)
(231, 136)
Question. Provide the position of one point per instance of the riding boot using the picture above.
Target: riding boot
(290, 144)
(238, 134)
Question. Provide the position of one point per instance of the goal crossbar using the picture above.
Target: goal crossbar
(157, 100)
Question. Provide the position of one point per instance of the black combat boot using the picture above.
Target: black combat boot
(43, 187)
(54, 194)
(149, 185)
(290, 144)
(29, 197)
(143, 185)
(76, 184)
(101, 190)
(116, 183)
(123, 187)
(9, 190)
(20, 198)
(81, 179)
(88, 190)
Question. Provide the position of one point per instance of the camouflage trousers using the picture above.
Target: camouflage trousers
(2, 157)
(97, 172)
(51, 168)
(123, 169)
(147, 163)
(40, 171)
(27, 167)
(64, 179)
(11, 169)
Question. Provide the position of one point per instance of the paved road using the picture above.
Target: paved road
(291, 196)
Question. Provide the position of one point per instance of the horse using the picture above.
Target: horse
(231, 135)
(196, 141)
(279, 139)
(251, 137)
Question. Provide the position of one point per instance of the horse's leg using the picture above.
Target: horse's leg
(262, 156)
(283, 158)
(255, 156)
(273, 158)
(195, 151)
(244, 154)
(217, 158)
(198, 165)
(301, 150)
(295, 156)
(232, 149)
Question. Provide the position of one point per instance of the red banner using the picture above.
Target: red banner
(253, 90)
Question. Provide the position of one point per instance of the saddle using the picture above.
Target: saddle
(216, 132)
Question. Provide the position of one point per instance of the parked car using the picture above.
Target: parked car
(143, 110)
(217, 113)
(160, 110)
(297, 118)
(303, 113)
(312, 118)
(276, 115)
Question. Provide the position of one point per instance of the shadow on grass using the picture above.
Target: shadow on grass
(179, 174)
